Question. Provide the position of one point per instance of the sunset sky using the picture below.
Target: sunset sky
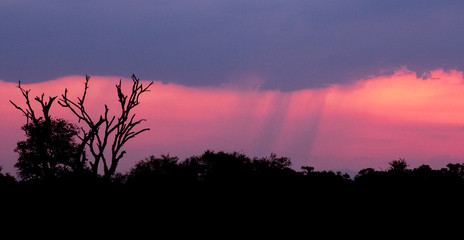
(338, 85)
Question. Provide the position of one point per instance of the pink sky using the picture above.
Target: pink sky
(353, 126)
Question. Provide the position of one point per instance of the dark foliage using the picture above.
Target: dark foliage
(273, 169)
(235, 169)
(6, 178)
(219, 189)
(222, 169)
(49, 150)
(153, 170)
(212, 168)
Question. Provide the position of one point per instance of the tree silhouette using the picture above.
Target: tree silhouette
(49, 148)
(399, 165)
(369, 176)
(220, 168)
(273, 168)
(108, 129)
(29, 112)
(213, 169)
(153, 170)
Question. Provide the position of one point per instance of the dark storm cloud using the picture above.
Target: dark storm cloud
(291, 44)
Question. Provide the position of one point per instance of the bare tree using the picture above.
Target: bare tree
(29, 111)
(108, 129)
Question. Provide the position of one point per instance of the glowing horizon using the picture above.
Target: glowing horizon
(344, 126)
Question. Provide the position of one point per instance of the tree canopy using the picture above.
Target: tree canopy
(49, 150)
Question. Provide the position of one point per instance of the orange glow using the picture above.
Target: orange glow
(392, 116)
(363, 124)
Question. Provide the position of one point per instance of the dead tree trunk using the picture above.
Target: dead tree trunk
(108, 129)
(78, 109)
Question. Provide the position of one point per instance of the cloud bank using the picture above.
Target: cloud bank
(350, 126)
(292, 44)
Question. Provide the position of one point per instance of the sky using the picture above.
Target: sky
(331, 84)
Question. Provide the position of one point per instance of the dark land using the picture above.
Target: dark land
(219, 185)
(229, 196)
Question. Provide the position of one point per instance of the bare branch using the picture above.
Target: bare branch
(118, 128)
(26, 113)
(29, 112)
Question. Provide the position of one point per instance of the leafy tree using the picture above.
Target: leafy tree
(220, 167)
(399, 165)
(49, 150)
(273, 167)
(153, 170)
(307, 170)
(274, 162)
(370, 176)
(455, 169)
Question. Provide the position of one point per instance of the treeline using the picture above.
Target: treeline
(222, 186)
(236, 169)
